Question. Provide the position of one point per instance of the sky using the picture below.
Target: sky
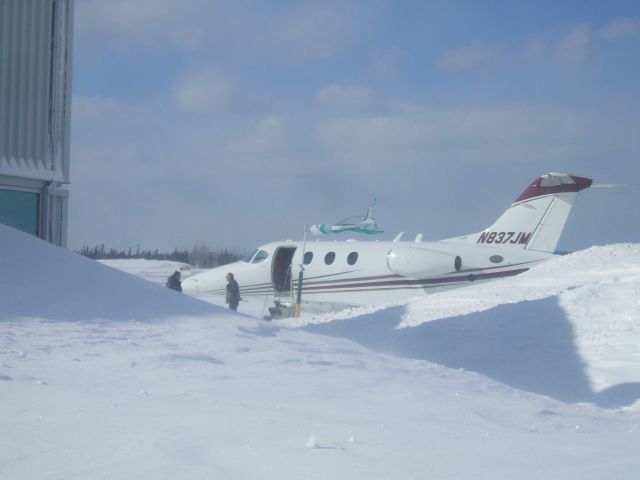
(233, 124)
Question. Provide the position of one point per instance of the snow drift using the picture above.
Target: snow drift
(45, 281)
(577, 316)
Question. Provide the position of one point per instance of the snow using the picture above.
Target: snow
(155, 271)
(578, 315)
(106, 375)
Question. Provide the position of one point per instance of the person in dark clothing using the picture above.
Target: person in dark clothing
(233, 292)
(173, 282)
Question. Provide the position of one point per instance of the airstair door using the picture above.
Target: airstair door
(281, 270)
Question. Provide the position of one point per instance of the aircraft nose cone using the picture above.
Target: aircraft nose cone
(190, 286)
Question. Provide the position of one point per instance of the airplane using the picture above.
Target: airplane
(355, 273)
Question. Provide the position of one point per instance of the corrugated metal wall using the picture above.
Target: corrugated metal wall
(35, 81)
(36, 38)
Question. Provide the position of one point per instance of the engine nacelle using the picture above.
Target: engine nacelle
(422, 262)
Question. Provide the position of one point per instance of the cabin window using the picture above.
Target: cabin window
(352, 258)
(308, 256)
(329, 258)
(260, 256)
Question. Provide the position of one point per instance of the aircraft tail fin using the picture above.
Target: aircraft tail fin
(536, 219)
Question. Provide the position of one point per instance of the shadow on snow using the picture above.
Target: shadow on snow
(527, 345)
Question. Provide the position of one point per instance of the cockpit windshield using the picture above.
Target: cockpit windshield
(248, 258)
(256, 256)
(260, 256)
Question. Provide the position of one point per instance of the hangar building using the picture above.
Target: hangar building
(35, 102)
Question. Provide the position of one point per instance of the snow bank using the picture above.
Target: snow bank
(596, 266)
(155, 271)
(569, 328)
(42, 280)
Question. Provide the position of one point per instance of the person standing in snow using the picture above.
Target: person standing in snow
(173, 282)
(233, 292)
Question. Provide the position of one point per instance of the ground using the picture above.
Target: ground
(106, 375)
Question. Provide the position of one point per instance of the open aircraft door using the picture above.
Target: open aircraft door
(281, 270)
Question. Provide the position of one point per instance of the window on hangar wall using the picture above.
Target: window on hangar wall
(20, 210)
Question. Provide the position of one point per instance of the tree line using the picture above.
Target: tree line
(200, 256)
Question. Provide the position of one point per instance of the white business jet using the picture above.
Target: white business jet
(368, 273)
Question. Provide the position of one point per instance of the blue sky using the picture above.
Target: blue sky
(235, 123)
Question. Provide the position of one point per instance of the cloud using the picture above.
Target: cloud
(536, 48)
(207, 90)
(100, 120)
(472, 57)
(574, 48)
(569, 50)
(270, 134)
(385, 64)
(621, 27)
(94, 110)
(308, 32)
(355, 99)
(150, 22)
(312, 32)
(461, 135)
